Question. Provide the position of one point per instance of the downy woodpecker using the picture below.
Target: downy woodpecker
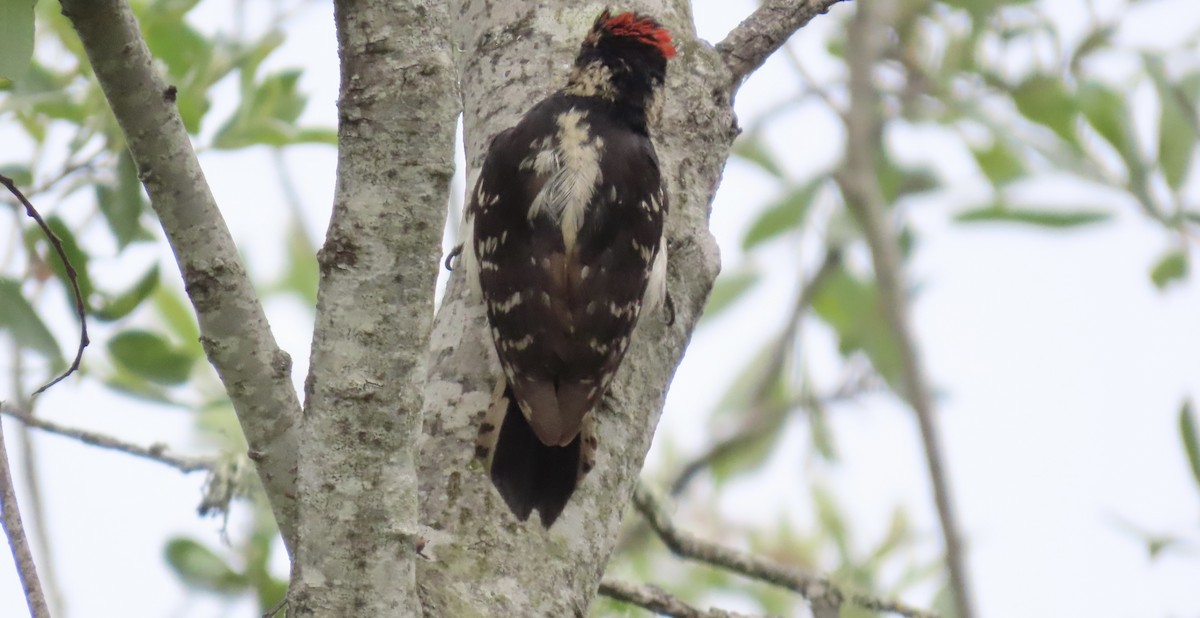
(565, 247)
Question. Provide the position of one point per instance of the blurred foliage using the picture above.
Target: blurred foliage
(83, 180)
(1030, 102)
(16, 38)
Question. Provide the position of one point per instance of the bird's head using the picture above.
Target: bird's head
(628, 32)
(623, 56)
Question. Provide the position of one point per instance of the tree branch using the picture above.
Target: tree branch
(10, 517)
(35, 506)
(234, 329)
(860, 187)
(824, 595)
(397, 109)
(748, 45)
(658, 601)
(755, 426)
(156, 452)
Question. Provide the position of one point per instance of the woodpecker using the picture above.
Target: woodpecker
(565, 248)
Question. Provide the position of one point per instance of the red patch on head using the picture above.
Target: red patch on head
(641, 27)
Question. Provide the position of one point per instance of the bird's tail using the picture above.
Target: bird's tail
(529, 474)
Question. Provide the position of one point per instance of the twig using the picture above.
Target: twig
(748, 45)
(755, 426)
(864, 199)
(824, 595)
(811, 81)
(658, 601)
(10, 517)
(80, 308)
(155, 452)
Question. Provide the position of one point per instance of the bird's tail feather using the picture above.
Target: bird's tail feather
(528, 474)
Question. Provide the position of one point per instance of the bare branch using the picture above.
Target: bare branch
(10, 517)
(860, 187)
(658, 601)
(748, 45)
(755, 427)
(156, 452)
(35, 506)
(72, 276)
(824, 595)
(234, 329)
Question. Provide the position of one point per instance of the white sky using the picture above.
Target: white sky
(1059, 367)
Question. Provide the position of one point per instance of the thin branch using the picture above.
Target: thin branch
(234, 330)
(156, 452)
(748, 45)
(658, 600)
(10, 517)
(755, 427)
(80, 308)
(35, 506)
(860, 187)
(825, 596)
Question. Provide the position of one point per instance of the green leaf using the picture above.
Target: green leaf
(1170, 268)
(151, 356)
(1106, 111)
(36, 237)
(784, 215)
(851, 307)
(1177, 130)
(267, 114)
(728, 288)
(753, 149)
(1027, 216)
(832, 522)
(20, 174)
(820, 433)
(124, 303)
(122, 205)
(16, 37)
(25, 326)
(1044, 100)
(898, 535)
(999, 163)
(129, 383)
(316, 136)
(1191, 439)
(896, 181)
(202, 568)
(1096, 40)
(178, 314)
(978, 9)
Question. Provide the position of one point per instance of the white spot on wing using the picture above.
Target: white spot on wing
(506, 305)
(656, 287)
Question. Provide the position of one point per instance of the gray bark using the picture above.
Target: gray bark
(357, 474)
